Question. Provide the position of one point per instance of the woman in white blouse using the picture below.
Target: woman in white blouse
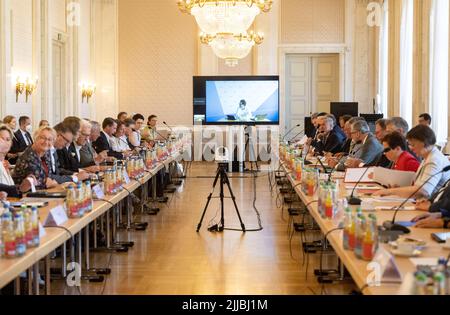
(6, 181)
(119, 142)
(422, 141)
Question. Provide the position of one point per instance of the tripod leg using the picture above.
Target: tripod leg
(199, 226)
(227, 181)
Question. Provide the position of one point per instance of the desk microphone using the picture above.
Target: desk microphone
(391, 225)
(298, 134)
(290, 130)
(352, 200)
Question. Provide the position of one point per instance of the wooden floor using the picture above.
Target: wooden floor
(170, 258)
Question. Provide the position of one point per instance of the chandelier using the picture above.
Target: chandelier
(226, 23)
(232, 47)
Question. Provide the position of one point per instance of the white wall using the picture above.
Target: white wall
(27, 30)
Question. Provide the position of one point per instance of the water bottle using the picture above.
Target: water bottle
(71, 202)
(348, 223)
(35, 226)
(359, 235)
(370, 239)
(28, 228)
(88, 196)
(8, 236)
(19, 227)
(80, 199)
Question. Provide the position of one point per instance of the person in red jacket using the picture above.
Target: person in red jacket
(395, 146)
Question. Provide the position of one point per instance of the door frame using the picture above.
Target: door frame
(62, 44)
(339, 49)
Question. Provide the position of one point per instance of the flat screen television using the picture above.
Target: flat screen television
(243, 100)
(339, 109)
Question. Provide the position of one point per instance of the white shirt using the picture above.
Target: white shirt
(25, 137)
(52, 156)
(432, 165)
(78, 148)
(5, 177)
(120, 144)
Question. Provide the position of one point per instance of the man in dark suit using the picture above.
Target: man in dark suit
(103, 142)
(332, 139)
(22, 138)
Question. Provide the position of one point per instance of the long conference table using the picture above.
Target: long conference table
(11, 269)
(360, 270)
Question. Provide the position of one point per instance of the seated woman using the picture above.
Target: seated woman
(119, 143)
(395, 150)
(422, 141)
(6, 182)
(35, 160)
(243, 113)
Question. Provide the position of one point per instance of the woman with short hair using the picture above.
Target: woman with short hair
(422, 141)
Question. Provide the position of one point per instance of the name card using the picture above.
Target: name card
(56, 217)
(98, 192)
(126, 177)
(388, 268)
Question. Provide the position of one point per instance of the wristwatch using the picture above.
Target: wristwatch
(446, 223)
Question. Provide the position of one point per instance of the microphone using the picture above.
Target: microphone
(391, 225)
(292, 129)
(159, 134)
(298, 134)
(352, 200)
(168, 126)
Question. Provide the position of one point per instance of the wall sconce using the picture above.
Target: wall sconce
(30, 87)
(20, 87)
(25, 85)
(87, 90)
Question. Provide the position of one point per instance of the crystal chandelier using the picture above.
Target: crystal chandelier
(232, 47)
(226, 22)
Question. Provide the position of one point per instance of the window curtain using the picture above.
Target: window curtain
(383, 61)
(406, 60)
(439, 55)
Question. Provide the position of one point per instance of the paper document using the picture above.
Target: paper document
(353, 175)
(393, 178)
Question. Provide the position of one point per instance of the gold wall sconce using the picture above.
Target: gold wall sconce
(25, 85)
(87, 91)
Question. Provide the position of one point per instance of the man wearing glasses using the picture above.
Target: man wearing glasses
(64, 138)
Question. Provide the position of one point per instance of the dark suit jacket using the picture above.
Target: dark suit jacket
(332, 143)
(68, 159)
(441, 201)
(57, 173)
(102, 144)
(19, 145)
(12, 191)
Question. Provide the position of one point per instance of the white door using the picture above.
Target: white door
(59, 85)
(325, 87)
(298, 90)
(312, 83)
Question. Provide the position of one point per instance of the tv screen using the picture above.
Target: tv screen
(237, 100)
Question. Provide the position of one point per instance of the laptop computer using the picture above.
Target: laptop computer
(260, 117)
(231, 117)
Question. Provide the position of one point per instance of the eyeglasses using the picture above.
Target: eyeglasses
(45, 139)
(387, 150)
(62, 136)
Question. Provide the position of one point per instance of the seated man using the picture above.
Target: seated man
(64, 138)
(371, 148)
(104, 142)
(332, 140)
(88, 156)
(22, 139)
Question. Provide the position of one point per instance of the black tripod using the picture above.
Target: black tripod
(222, 175)
(249, 146)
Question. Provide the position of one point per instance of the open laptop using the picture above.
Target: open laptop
(260, 117)
(231, 117)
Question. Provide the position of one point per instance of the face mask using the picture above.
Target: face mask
(29, 128)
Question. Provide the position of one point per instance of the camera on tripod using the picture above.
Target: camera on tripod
(222, 155)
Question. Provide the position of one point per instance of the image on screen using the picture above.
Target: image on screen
(241, 102)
